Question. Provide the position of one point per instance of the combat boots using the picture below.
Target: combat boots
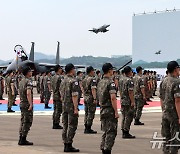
(107, 152)
(2, 98)
(57, 126)
(126, 135)
(23, 141)
(20, 138)
(10, 110)
(137, 122)
(47, 107)
(88, 130)
(69, 148)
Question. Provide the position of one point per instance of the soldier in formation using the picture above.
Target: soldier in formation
(26, 106)
(47, 89)
(79, 78)
(38, 83)
(56, 81)
(170, 100)
(109, 113)
(90, 100)
(98, 78)
(127, 102)
(139, 95)
(69, 97)
(10, 90)
(1, 85)
(42, 87)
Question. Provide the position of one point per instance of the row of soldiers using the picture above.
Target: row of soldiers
(66, 96)
(10, 86)
(170, 103)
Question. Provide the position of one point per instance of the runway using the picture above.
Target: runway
(48, 141)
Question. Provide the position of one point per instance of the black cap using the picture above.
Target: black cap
(127, 69)
(47, 72)
(69, 67)
(57, 67)
(98, 71)
(172, 65)
(25, 70)
(89, 69)
(138, 69)
(106, 67)
(79, 72)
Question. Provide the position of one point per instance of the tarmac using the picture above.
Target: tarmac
(49, 141)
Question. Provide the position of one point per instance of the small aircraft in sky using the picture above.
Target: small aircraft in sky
(158, 52)
(102, 29)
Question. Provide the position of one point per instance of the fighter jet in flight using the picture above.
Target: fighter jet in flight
(100, 29)
(158, 52)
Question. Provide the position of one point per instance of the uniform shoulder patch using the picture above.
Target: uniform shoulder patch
(113, 84)
(76, 83)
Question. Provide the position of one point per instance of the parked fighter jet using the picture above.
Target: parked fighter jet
(21, 60)
(100, 29)
(158, 52)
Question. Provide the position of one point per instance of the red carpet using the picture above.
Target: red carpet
(37, 101)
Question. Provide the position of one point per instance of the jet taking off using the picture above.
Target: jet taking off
(158, 52)
(100, 29)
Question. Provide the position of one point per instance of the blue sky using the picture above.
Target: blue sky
(47, 21)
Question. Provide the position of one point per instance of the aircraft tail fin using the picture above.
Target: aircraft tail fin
(31, 56)
(57, 54)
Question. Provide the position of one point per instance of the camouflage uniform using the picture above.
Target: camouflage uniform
(88, 84)
(42, 89)
(155, 84)
(146, 84)
(26, 115)
(38, 83)
(10, 84)
(126, 108)
(152, 85)
(98, 79)
(56, 81)
(47, 93)
(68, 88)
(120, 83)
(139, 100)
(170, 89)
(1, 87)
(109, 123)
(16, 86)
(79, 80)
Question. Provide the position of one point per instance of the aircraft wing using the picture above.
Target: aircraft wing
(51, 66)
(3, 67)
